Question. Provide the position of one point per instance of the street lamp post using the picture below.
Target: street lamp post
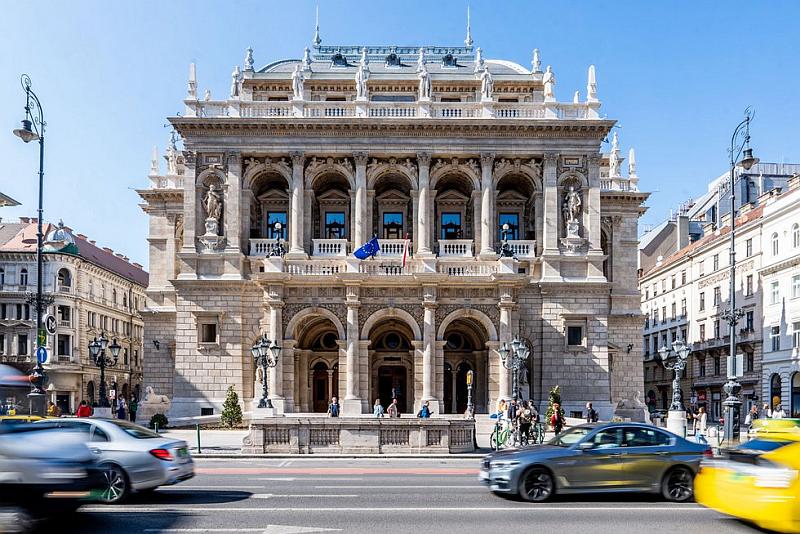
(505, 248)
(278, 248)
(512, 359)
(676, 419)
(98, 348)
(265, 354)
(470, 406)
(740, 146)
(33, 127)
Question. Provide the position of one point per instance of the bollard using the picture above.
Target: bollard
(199, 450)
(156, 427)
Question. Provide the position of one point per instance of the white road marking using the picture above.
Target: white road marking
(134, 509)
(268, 529)
(288, 495)
(221, 488)
(403, 486)
(275, 479)
(314, 478)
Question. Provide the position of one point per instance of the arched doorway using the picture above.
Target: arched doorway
(774, 391)
(316, 362)
(464, 351)
(392, 365)
(795, 395)
(321, 387)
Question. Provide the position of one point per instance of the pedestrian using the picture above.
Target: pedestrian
(778, 412)
(766, 413)
(512, 410)
(393, 410)
(701, 421)
(425, 411)
(591, 413)
(751, 418)
(51, 409)
(333, 408)
(121, 409)
(377, 408)
(133, 407)
(502, 408)
(557, 420)
(525, 420)
(84, 410)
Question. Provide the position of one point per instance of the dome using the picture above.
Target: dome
(60, 239)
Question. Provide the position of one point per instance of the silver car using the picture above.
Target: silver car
(594, 458)
(131, 457)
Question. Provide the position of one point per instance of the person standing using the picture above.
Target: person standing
(121, 409)
(701, 421)
(84, 410)
(377, 408)
(778, 412)
(333, 408)
(766, 413)
(425, 411)
(751, 418)
(591, 413)
(133, 407)
(525, 421)
(393, 410)
(557, 420)
(51, 409)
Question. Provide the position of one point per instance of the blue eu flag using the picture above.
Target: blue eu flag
(369, 249)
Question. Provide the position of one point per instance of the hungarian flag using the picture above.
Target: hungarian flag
(406, 249)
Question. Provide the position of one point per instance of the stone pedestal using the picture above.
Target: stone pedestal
(273, 264)
(676, 422)
(351, 407)
(508, 265)
(261, 413)
(104, 413)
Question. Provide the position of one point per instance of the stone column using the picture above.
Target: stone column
(276, 373)
(423, 222)
(505, 337)
(351, 405)
(552, 213)
(487, 205)
(331, 392)
(360, 236)
(428, 355)
(232, 206)
(303, 381)
(189, 205)
(297, 205)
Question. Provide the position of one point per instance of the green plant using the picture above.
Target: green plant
(158, 419)
(231, 411)
(552, 398)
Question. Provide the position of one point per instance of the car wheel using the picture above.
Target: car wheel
(115, 484)
(536, 485)
(677, 485)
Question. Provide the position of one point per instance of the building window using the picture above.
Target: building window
(2, 343)
(450, 224)
(775, 338)
(716, 262)
(125, 356)
(775, 296)
(647, 293)
(646, 345)
(674, 310)
(136, 357)
(796, 235)
(702, 301)
(717, 296)
(683, 307)
(701, 367)
(63, 345)
(796, 286)
(674, 281)
(575, 335)
(673, 335)
(512, 220)
(208, 333)
(716, 329)
(702, 332)
(748, 248)
(655, 344)
(392, 225)
(647, 321)
(716, 365)
(274, 217)
(23, 277)
(683, 334)
(702, 267)
(663, 314)
(683, 278)
(22, 344)
(750, 362)
(655, 316)
(775, 247)
(795, 395)
(2, 276)
(748, 286)
(796, 335)
(664, 285)
(748, 321)
(334, 225)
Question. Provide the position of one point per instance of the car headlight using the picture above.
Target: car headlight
(504, 465)
(776, 478)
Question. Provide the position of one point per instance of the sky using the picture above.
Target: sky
(676, 75)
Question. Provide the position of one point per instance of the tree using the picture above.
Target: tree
(231, 411)
(552, 398)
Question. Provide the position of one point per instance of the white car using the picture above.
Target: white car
(131, 457)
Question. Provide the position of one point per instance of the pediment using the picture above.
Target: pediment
(334, 194)
(451, 195)
(273, 194)
(393, 195)
(512, 195)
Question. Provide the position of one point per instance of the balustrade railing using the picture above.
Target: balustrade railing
(523, 248)
(261, 247)
(379, 268)
(519, 110)
(330, 247)
(317, 110)
(392, 247)
(314, 267)
(467, 268)
(393, 109)
(265, 109)
(459, 248)
(456, 110)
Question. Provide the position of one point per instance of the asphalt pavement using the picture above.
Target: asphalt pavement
(366, 495)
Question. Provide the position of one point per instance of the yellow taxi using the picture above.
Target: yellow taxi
(758, 481)
(18, 419)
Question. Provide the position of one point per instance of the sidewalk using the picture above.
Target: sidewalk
(215, 442)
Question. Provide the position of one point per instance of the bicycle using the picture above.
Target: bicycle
(502, 431)
(537, 433)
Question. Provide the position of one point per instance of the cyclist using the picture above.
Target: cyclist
(525, 418)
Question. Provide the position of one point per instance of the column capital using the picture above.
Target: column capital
(594, 159)
(361, 158)
(487, 160)
(550, 158)
(298, 157)
(424, 158)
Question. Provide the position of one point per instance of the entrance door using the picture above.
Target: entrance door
(448, 388)
(319, 388)
(461, 388)
(392, 383)
(62, 401)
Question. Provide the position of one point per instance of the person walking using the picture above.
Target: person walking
(333, 408)
(377, 408)
(766, 413)
(121, 409)
(84, 410)
(425, 411)
(557, 420)
(778, 412)
(51, 409)
(701, 421)
(393, 410)
(133, 407)
(525, 418)
(591, 413)
(751, 418)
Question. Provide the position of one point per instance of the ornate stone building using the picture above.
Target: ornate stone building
(496, 214)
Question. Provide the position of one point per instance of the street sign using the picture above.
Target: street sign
(50, 324)
(42, 337)
(693, 399)
(736, 365)
(41, 355)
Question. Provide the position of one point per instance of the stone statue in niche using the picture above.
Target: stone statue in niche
(212, 204)
(572, 210)
(361, 83)
(424, 83)
(297, 83)
(487, 85)
(549, 80)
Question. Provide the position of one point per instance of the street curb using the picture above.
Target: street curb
(215, 456)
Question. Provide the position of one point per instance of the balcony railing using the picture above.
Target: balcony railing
(456, 110)
(467, 268)
(523, 248)
(455, 248)
(315, 267)
(261, 247)
(266, 109)
(393, 109)
(332, 110)
(392, 247)
(382, 268)
(63, 288)
(330, 247)
(65, 324)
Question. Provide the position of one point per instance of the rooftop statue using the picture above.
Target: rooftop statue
(235, 78)
(297, 83)
(549, 80)
(424, 84)
(248, 59)
(613, 157)
(487, 85)
(536, 63)
(479, 64)
(307, 59)
(361, 83)
(421, 59)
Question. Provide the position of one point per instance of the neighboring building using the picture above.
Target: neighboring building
(685, 295)
(436, 144)
(7, 201)
(780, 280)
(94, 290)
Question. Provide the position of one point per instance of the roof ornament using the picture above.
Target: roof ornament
(307, 59)
(236, 77)
(487, 85)
(577, 98)
(361, 82)
(297, 83)
(631, 164)
(479, 63)
(421, 59)
(468, 40)
(248, 59)
(207, 95)
(536, 63)
(172, 152)
(613, 158)
(154, 170)
(591, 86)
(192, 88)
(317, 40)
(364, 62)
(424, 83)
(549, 80)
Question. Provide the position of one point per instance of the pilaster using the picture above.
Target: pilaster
(297, 206)
(360, 237)
(487, 206)
(423, 237)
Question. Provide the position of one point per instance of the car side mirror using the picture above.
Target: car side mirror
(585, 446)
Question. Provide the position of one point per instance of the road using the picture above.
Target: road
(284, 496)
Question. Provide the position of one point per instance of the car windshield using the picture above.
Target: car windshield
(133, 430)
(570, 437)
(762, 445)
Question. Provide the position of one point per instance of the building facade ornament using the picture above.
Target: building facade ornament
(549, 80)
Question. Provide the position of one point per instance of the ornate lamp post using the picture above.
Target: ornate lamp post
(505, 248)
(740, 146)
(265, 354)
(33, 127)
(278, 248)
(512, 359)
(97, 349)
(470, 406)
(676, 418)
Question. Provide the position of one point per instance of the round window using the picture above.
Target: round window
(455, 341)
(328, 341)
(392, 341)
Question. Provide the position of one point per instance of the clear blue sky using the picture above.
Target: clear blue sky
(676, 75)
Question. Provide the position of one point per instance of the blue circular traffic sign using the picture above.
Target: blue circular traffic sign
(41, 355)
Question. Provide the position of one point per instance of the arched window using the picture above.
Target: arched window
(114, 296)
(774, 391)
(2, 276)
(795, 395)
(64, 278)
(23, 277)
(775, 244)
(796, 235)
(124, 300)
